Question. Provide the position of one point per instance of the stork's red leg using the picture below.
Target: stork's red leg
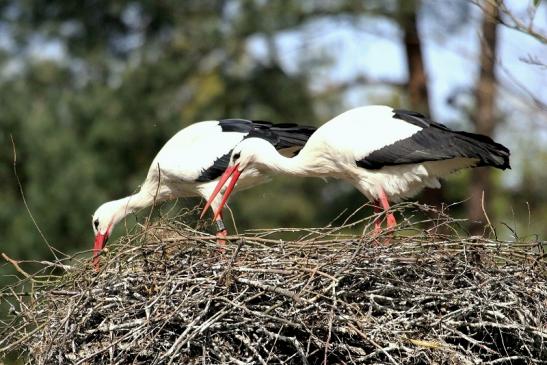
(222, 232)
(377, 221)
(391, 221)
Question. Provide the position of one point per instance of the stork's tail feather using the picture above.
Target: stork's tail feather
(488, 152)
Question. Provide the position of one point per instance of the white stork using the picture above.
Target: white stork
(387, 154)
(190, 163)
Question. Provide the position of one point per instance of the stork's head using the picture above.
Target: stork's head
(104, 220)
(251, 152)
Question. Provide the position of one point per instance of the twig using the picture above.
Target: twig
(17, 267)
(165, 294)
(21, 191)
(486, 216)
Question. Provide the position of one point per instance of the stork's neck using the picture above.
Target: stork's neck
(131, 204)
(298, 165)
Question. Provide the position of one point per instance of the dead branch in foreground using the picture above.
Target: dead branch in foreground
(168, 295)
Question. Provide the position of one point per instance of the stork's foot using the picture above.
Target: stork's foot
(377, 227)
(391, 221)
(95, 263)
(382, 238)
(221, 235)
(379, 238)
(377, 220)
(222, 232)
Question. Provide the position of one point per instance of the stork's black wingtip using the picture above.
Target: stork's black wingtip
(506, 165)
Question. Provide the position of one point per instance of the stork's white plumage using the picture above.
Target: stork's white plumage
(387, 154)
(190, 163)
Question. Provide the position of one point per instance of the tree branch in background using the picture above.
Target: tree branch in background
(508, 19)
(514, 85)
(418, 92)
(484, 114)
(358, 81)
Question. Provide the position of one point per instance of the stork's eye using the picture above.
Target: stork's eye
(236, 156)
(96, 224)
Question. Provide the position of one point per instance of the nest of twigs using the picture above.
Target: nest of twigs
(168, 295)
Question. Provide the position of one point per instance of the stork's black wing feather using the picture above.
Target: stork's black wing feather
(236, 125)
(281, 136)
(436, 142)
(216, 169)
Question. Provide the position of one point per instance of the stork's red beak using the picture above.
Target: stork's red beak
(100, 241)
(230, 171)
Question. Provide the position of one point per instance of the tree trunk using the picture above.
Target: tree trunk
(417, 79)
(418, 93)
(484, 118)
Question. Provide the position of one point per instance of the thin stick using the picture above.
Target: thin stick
(21, 191)
(17, 267)
(486, 216)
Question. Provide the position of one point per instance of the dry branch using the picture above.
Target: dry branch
(167, 295)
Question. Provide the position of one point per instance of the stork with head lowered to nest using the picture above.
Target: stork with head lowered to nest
(190, 163)
(387, 154)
